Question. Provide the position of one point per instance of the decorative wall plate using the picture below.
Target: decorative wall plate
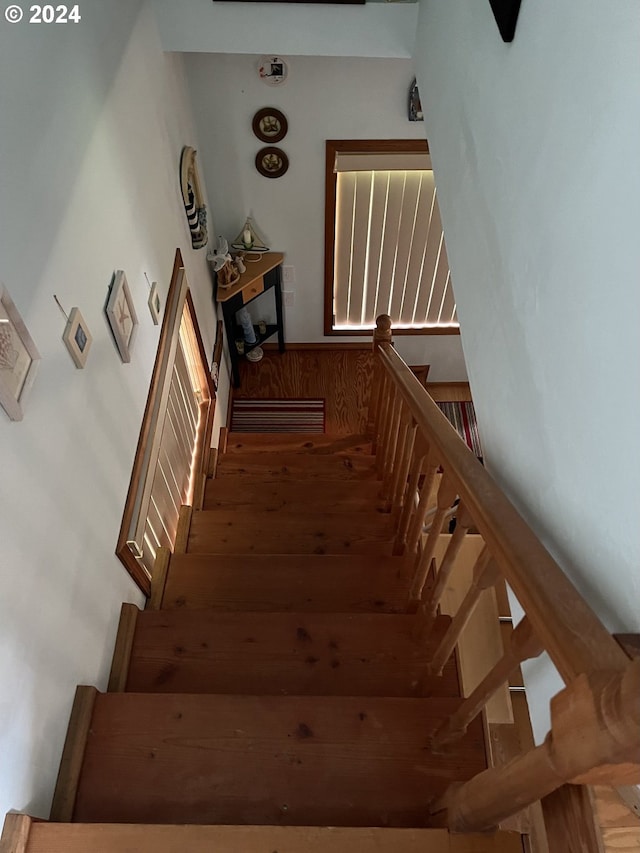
(272, 162)
(270, 125)
(273, 70)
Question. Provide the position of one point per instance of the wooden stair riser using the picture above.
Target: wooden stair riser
(338, 761)
(313, 583)
(42, 837)
(281, 653)
(230, 532)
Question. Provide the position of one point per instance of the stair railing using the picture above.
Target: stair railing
(595, 720)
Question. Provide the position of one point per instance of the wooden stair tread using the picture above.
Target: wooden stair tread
(257, 582)
(154, 838)
(337, 761)
(286, 494)
(285, 653)
(349, 467)
(263, 532)
(313, 443)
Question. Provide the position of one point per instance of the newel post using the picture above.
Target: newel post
(594, 739)
(382, 334)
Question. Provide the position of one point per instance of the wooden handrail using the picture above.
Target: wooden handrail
(565, 624)
(595, 720)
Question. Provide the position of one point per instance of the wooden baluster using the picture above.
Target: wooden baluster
(391, 457)
(393, 471)
(401, 473)
(446, 496)
(464, 521)
(409, 505)
(380, 376)
(381, 335)
(390, 409)
(485, 575)
(384, 415)
(523, 644)
(594, 739)
(374, 402)
(415, 532)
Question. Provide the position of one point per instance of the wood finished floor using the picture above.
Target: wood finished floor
(342, 377)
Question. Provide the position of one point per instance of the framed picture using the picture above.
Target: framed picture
(154, 303)
(122, 315)
(78, 338)
(272, 162)
(270, 125)
(19, 358)
(217, 355)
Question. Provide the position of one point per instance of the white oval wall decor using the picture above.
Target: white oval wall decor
(274, 70)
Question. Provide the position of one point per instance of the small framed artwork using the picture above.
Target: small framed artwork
(19, 358)
(217, 355)
(272, 162)
(154, 303)
(122, 315)
(270, 125)
(78, 338)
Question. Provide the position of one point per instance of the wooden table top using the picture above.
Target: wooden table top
(255, 270)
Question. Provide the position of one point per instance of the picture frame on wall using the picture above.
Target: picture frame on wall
(217, 355)
(154, 303)
(77, 338)
(19, 358)
(121, 315)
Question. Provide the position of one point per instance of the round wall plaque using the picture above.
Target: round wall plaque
(272, 162)
(270, 125)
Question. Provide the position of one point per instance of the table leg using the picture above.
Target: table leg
(233, 352)
(279, 314)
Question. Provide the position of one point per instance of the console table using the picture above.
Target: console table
(262, 276)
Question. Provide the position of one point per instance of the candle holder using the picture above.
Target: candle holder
(262, 327)
(249, 238)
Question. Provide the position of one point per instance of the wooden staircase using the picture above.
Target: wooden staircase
(277, 698)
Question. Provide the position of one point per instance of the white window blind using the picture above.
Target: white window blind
(390, 256)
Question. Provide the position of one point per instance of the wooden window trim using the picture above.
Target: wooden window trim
(353, 146)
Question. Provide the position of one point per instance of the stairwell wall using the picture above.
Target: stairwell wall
(323, 98)
(535, 150)
(94, 117)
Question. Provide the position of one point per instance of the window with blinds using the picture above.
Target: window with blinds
(388, 249)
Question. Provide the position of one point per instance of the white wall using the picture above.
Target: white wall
(535, 149)
(323, 99)
(374, 29)
(93, 120)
